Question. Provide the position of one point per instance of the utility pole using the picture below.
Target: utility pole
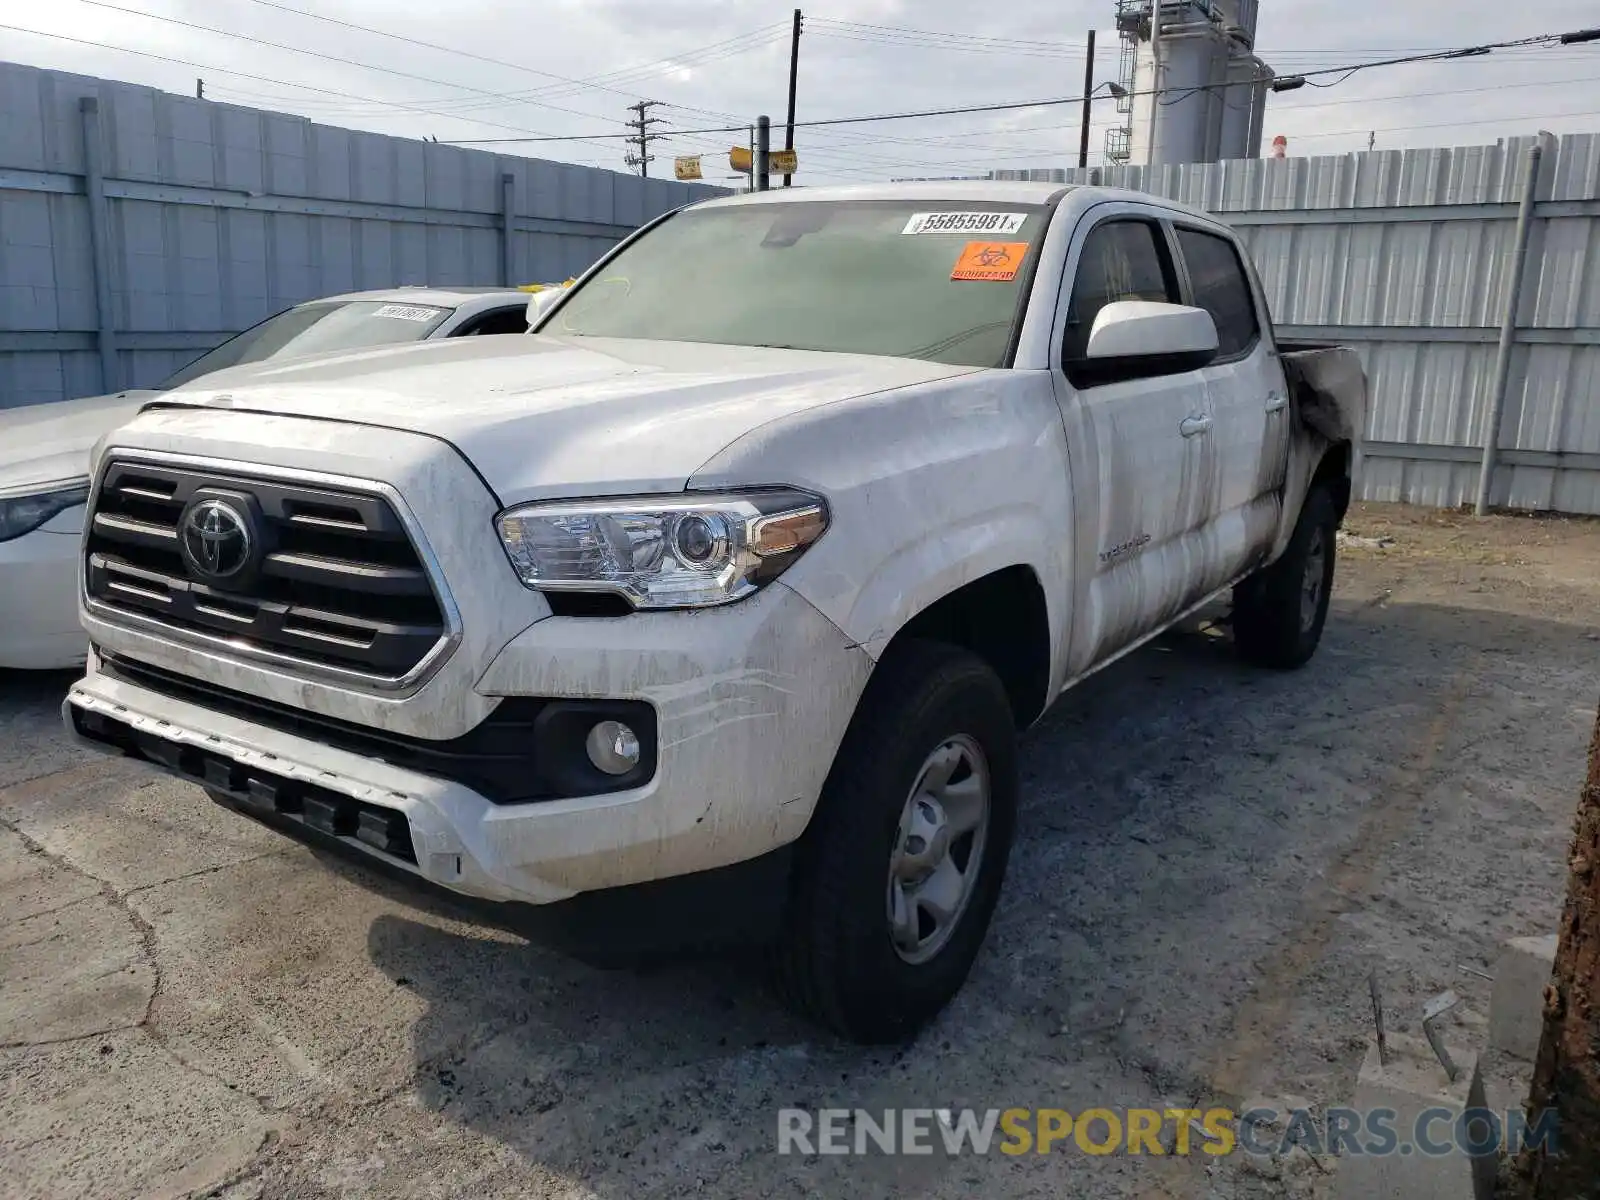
(750, 179)
(199, 89)
(794, 76)
(1088, 90)
(1155, 79)
(763, 152)
(642, 138)
(1566, 1074)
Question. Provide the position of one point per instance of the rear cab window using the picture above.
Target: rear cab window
(1220, 285)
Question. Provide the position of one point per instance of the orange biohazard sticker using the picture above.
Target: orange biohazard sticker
(997, 261)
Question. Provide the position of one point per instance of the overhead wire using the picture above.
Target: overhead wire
(601, 82)
(1290, 107)
(218, 70)
(950, 35)
(844, 36)
(456, 109)
(716, 52)
(1053, 101)
(342, 60)
(1468, 124)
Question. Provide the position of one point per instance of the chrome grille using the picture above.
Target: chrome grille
(333, 579)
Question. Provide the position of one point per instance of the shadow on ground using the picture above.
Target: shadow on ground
(1208, 856)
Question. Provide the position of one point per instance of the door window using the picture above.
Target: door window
(1222, 288)
(501, 320)
(1121, 260)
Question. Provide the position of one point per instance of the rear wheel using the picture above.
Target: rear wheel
(899, 873)
(1279, 612)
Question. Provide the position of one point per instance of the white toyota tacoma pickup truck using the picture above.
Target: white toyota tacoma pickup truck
(712, 609)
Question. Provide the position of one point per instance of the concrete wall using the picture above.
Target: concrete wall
(1405, 255)
(217, 216)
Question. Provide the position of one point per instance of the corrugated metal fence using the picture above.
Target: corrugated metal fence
(189, 220)
(207, 217)
(1406, 255)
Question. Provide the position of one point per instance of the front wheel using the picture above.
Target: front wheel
(899, 873)
(1279, 612)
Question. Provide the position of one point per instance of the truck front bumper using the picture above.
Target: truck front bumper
(751, 702)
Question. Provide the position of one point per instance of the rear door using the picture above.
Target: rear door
(1248, 400)
(1139, 448)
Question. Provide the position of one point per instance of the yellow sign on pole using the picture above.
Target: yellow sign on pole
(783, 162)
(740, 159)
(687, 167)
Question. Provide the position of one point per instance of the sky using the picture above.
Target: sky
(530, 68)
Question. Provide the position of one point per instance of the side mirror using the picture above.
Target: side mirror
(541, 302)
(1134, 339)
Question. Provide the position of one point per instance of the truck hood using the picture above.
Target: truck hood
(542, 416)
(42, 444)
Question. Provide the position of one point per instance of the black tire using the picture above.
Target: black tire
(836, 962)
(1275, 624)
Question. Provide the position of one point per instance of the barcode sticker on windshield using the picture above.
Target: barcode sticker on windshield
(407, 312)
(993, 223)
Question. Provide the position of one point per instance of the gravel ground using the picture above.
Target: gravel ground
(1211, 860)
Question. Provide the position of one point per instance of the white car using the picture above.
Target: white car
(712, 609)
(44, 448)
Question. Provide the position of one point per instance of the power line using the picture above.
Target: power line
(342, 106)
(1054, 101)
(560, 79)
(830, 125)
(1548, 116)
(533, 96)
(1069, 48)
(334, 58)
(910, 43)
(1432, 56)
(307, 87)
(1284, 110)
(714, 52)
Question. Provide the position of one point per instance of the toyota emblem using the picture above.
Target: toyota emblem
(217, 543)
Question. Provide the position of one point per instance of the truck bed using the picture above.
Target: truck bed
(1327, 387)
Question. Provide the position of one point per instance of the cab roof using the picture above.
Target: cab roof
(438, 297)
(974, 190)
(965, 191)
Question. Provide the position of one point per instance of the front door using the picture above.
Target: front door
(1141, 452)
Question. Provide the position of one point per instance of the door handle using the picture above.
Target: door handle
(1194, 426)
(1276, 402)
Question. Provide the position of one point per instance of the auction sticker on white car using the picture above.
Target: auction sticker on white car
(965, 222)
(407, 312)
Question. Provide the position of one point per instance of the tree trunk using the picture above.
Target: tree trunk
(1566, 1075)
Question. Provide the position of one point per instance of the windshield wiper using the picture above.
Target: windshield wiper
(955, 339)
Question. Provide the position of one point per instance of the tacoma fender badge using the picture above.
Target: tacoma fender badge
(1131, 546)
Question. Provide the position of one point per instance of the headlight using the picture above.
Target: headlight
(25, 513)
(681, 551)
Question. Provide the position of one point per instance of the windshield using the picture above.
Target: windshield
(935, 281)
(316, 329)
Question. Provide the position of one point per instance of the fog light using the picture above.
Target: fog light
(613, 747)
